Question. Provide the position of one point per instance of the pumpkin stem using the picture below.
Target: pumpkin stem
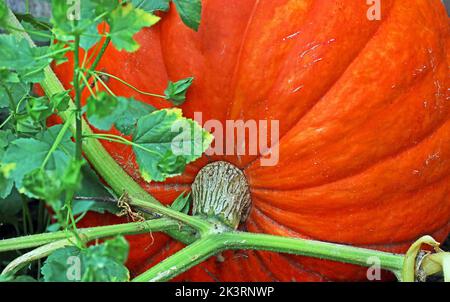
(221, 191)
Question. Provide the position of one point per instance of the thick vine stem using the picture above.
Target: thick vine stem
(36, 254)
(88, 234)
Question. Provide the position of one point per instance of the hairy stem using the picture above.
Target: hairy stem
(213, 244)
(88, 234)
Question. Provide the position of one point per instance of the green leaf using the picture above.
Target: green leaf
(165, 141)
(60, 266)
(7, 76)
(31, 25)
(17, 54)
(182, 203)
(6, 184)
(125, 22)
(190, 12)
(152, 5)
(176, 92)
(3, 12)
(60, 101)
(126, 122)
(28, 154)
(12, 93)
(39, 108)
(104, 109)
(45, 185)
(11, 205)
(99, 263)
(91, 186)
(9, 278)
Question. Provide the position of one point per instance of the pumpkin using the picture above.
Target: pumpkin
(363, 105)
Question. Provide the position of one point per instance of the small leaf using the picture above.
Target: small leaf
(17, 54)
(107, 110)
(176, 92)
(190, 12)
(60, 101)
(15, 91)
(39, 108)
(103, 110)
(28, 154)
(125, 22)
(57, 267)
(44, 185)
(99, 263)
(152, 6)
(3, 12)
(182, 203)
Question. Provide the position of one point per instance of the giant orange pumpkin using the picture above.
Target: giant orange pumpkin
(364, 119)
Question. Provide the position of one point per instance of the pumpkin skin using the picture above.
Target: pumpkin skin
(364, 124)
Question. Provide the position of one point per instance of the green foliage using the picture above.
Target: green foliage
(3, 12)
(176, 92)
(28, 154)
(17, 55)
(105, 110)
(190, 12)
(165, 141)
(127, 21)
(38, 163)
(99, 263)
(126, 122)
(152, 6)
(182, 203)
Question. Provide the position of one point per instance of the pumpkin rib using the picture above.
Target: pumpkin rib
(295, 234)
(266, 269)
(413, 97)
(254, 227)
(336, 226)
(241, 49)
(354, 178)
(311, 138)
(349, 205)
(325, 92)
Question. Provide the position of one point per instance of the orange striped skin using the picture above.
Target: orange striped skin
(364, 115)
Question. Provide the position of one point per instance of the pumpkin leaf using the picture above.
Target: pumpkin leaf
(127, 121)
(28, 154)
(18, 55)
(60, 101)
(12, 93)
(182, 203)
(152, 6)
(190, 12)
(39, 109)
(164, 142)
(98, 263)
(103, 109)
(3, 12)
(176, 92)
(106, 110)
(125, 22)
